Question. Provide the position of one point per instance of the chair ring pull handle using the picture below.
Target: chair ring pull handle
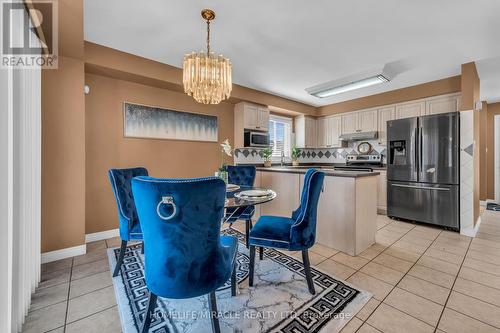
(166, 201)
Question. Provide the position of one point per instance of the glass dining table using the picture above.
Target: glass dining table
(241, 198)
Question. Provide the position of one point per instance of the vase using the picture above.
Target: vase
(267, 164)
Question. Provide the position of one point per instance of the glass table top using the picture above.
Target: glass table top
(234, 200)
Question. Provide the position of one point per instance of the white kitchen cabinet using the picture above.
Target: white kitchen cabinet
(305, 132)
(254, 116)
(382, 192)
(367, 121)
(322, 132)
(334, 130)
(328, 131)
(350, 123)
(442, 104)
(287, 186)
(384, 115)
(409, 110)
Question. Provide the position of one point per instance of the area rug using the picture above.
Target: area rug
(279, 301)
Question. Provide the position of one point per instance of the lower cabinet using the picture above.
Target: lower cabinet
(287, 186)
(382, 192)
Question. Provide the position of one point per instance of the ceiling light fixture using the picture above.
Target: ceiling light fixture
(207, 77)
(355, 82)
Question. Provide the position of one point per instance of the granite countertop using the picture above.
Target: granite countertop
(318, 166)
(328, 172)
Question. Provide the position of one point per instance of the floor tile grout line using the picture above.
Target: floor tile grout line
(482, 300)
(453, 285)
(90, 292)
(469, 316)
(382, 301)
(485, 285)
(67, 300)
(90, 315)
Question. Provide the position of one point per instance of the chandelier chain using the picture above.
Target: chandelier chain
(208, 37)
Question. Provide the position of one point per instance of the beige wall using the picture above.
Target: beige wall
(63, 156)
(493, 110)
(434, 88)
(107, 148)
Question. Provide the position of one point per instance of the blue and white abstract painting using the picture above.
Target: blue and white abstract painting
(156, 123)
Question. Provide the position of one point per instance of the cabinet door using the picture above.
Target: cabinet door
(300, 132)
(382, 192)
(442, 105)
(409, 110)
(334, 131)
(384, 115)
(367, 121)
(350, 123)
(322, 132)
(263, 121)
(250, 116)
(310, 132)
(286, 185)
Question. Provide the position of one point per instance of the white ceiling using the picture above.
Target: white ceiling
(285, 46)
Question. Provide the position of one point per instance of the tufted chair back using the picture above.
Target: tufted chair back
(303, 231)
(181, 221)
(241, 175)
(122, 188)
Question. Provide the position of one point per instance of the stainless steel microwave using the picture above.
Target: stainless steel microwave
(256, 139)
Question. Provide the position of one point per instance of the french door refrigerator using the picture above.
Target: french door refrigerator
(423, 164)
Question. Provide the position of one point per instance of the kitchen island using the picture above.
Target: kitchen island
(347, 208)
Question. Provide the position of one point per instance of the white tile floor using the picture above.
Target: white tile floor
(423, 279)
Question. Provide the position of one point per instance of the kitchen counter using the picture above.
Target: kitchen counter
(328, 172)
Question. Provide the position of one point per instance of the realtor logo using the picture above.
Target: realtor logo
(29, 34)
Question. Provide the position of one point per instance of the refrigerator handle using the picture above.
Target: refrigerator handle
(420, 147)
(416, 151)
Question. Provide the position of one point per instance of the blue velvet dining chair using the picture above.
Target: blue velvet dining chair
(243, 175)
(185, 254)
(130, 228)
(296, 233)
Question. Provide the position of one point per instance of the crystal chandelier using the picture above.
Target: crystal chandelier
(207, 77)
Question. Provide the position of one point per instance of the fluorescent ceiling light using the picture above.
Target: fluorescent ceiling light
(359, 81)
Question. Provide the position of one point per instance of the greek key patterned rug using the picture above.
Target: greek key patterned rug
(279, 301)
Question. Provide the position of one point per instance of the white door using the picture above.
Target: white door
(367, 121)
(384, 115)
(442, 105)
(350, 123)
(409, 110)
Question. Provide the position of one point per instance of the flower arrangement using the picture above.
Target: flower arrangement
(226, 149)
(267, 153)
(295, 156)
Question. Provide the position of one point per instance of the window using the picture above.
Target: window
(280, 135)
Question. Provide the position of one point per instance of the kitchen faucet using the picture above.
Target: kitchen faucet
(282, 158)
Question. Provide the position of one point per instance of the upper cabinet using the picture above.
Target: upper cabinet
(361, 121)
(442, 104)
(249, 116)
(368, 121)
(384, 115)
(328, 131)
(411, 109)
(255, 117)
(305, 132)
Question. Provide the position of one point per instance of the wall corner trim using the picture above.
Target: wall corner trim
(97, 236)
(63, 253)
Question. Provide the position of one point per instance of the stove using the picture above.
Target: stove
(361, 162)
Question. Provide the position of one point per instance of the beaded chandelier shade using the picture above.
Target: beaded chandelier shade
(207, 77)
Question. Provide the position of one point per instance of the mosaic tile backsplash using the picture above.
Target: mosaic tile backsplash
(320, 155)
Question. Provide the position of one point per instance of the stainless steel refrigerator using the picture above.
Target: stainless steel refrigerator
(423, 169)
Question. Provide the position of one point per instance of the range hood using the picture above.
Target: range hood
(356, 136)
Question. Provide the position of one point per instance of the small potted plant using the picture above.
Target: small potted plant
(295, 156)
(267, 153)
(225, 150)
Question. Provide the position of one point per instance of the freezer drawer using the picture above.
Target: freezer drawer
(428, 203)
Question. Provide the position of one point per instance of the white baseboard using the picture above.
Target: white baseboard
(97, 236)
(64, 253)
(472, 230)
